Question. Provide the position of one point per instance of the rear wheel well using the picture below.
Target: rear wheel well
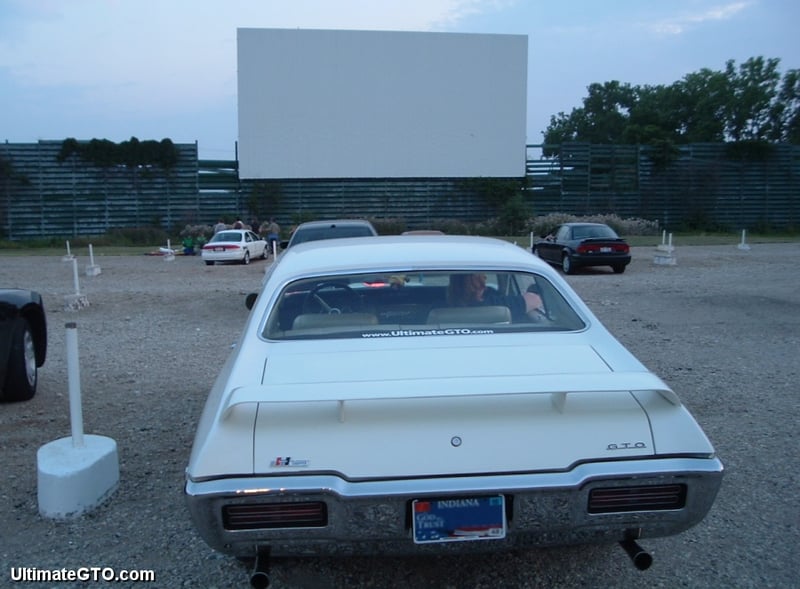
(36, 319)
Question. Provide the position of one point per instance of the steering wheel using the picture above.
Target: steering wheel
(314, 297)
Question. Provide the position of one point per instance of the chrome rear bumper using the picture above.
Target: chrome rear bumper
(373, 517)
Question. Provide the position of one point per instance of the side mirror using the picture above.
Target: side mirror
(250, 300)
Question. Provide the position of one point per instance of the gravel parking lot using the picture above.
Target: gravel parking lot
(722, 327)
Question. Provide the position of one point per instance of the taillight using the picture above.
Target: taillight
(253, 516)
(645, 498)
(604, 248)
(225, 246)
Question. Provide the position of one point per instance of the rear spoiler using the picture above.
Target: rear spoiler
(556, 385)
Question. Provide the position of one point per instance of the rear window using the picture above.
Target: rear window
(409, 304)
(227, 236)
(320, 233)
(594, 232)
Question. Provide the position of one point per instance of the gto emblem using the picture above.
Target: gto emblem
(289, 461)
(455, 441)
(626, 446)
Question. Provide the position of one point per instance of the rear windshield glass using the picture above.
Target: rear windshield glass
(593, 232)
(419, 304)
(320, 233)
(227, 236)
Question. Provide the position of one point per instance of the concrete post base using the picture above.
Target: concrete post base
(75, 302)
(73, 480)
(665, 255)
(664, 260)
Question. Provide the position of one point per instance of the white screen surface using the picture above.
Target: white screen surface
(377, 104)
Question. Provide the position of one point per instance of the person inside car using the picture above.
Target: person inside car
(469, 290)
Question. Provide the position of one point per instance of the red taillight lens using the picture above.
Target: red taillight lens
(225, 246)
(253, 516)
(650, 498)
(603, 248)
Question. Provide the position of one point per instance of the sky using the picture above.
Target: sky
(154, 69)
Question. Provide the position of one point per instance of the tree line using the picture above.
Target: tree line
(749, 104)
(106, 154)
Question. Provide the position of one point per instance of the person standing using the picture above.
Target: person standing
(273, 235)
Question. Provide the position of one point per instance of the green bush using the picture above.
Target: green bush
(546, 224)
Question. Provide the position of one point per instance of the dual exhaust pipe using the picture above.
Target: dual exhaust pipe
(259, 578)
(639, 556)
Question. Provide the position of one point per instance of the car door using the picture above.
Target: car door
(259, 245)
(549, 249)
(563, 239)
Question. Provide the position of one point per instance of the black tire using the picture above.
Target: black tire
(22, 374)
(618, 269)
(246, 258)
(566, 264)
(209, 262)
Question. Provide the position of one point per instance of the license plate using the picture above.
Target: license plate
(459, 519)
(219, 249)
(605, 250)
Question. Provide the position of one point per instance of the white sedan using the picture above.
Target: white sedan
(234, 245)
(425, 394)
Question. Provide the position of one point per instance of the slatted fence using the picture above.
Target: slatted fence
(43, 197)
(703, 185)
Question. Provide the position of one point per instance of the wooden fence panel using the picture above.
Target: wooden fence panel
(702, 186)
(41, 197)
(419, 202)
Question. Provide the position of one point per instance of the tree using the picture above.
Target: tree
(702, 100)
(607, 111)
(602, 119)
(746, 104)
(563, 128)
(787, 110)
(754, 89)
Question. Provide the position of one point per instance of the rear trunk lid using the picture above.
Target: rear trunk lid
(422, 412)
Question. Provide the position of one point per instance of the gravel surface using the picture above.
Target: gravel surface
(722, 326)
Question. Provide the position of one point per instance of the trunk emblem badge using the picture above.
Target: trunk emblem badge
(455, 441)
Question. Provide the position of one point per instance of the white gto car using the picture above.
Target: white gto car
(420, 394)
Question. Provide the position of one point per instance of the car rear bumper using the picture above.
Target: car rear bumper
(600, 260)
(234, 256)
(374, 517)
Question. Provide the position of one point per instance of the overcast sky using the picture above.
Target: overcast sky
(113, 69)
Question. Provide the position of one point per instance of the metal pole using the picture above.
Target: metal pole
(74, 378)
(75, 276)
